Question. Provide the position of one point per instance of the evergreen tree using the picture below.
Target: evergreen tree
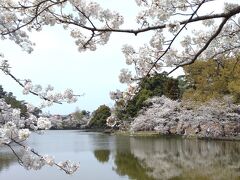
(210, 80)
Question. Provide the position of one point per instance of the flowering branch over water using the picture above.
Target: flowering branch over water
(33, 160)
(15, 129)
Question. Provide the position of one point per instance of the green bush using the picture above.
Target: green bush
(99, 117)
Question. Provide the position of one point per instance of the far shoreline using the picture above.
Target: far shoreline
(149, 134)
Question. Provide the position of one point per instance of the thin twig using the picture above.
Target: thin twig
(19, 159)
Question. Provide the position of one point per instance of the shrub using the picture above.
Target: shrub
(99, 117)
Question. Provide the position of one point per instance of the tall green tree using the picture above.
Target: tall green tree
(209, 79)
(99, 117)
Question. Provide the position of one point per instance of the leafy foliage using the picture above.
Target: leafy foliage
(11, 100)
(157, 85)
(99, 117)
(182, 84)
(210, 80)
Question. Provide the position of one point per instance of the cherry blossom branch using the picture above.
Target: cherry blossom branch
(37, 14)
(32, 92)
(14, 152)
(206, 45)
(224, 51)
(36, 90)
(133, 31)
(67, 171)
(172, 41)
(137, 31)
(16, 130)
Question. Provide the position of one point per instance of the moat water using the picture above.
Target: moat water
(110, 157)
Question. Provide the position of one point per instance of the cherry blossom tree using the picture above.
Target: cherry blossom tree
(181, 33)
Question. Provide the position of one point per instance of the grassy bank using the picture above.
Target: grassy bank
(157, 134)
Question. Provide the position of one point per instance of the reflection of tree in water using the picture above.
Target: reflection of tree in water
(6, 159)
(102, 155)
(173, 158)
(127, 164)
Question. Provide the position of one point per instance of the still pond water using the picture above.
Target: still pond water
(105, 157)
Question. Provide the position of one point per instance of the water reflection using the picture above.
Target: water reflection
(122, 157)
(102, 155)
(6, 159)
(134, 168)
(177, 158)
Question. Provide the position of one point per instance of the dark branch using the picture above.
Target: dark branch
(19, 159)
(133, 31)
(205, 46)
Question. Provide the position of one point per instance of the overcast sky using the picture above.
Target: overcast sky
(56, 61)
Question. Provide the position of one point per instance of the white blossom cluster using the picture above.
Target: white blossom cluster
(85, 15)
(35, 161)
(143, 60)
(160, 11)
(111, 121)
(164, 108)
(10, 25)
(48, 95)
(215, 118)
(119, 96)
(9, 131)
(43, 123)
(116, 95)
(15, 129)
(68, 166)
(125, 76)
